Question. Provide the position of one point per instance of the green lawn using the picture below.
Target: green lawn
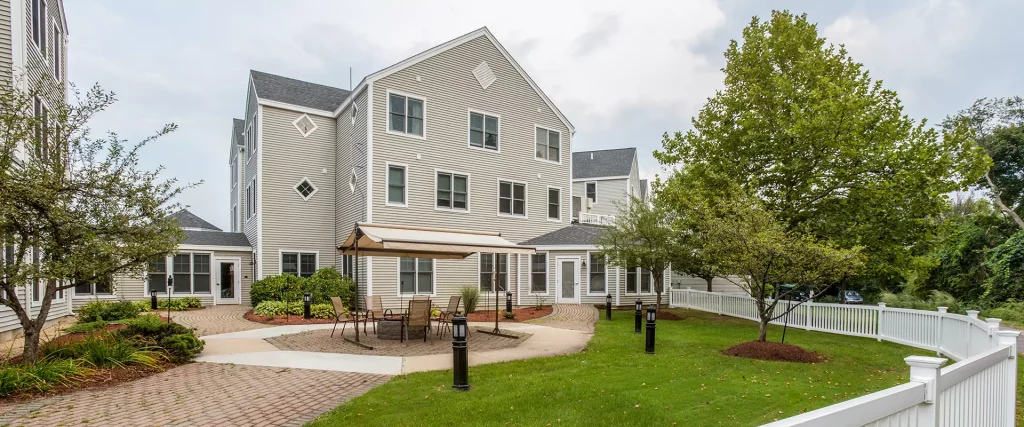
(687, 383)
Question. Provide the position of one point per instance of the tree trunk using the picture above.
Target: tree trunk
(709, 279)
(999, 202)
(762, 334)
(32, 333)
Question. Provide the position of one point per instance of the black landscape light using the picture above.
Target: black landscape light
(652, 316)
(460, 353)
(508, 301)
(152, 299)
(306, 299)
(170, 284)
(608, 306)
(638, 316)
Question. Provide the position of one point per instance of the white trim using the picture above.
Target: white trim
(249, 201)
(566, 247)
(369, 156)
(214, 248)
(251, 146)
(416, 283)
(387, 185)
(368, 80)
(191, 271)
(469, 207)
(387, 118)
(601, 178)
(618, 284)
(558, 278)
(18, 37)
(469, 130)
(639, 283)
(587, 196)
(590, 262)
(238, 280)
(526, 199)
(300, 252)
(547, 204)
(479, 259)
(311, 130)
(547, 275)
(259, 191)
(296, 188)
(293, 107)
(548, 145)
(519, 279)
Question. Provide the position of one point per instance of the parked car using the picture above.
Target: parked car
(850, 297)
(793, 293)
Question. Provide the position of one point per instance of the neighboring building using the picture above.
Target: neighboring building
(603, 182)
(458, 136)
(33, 51)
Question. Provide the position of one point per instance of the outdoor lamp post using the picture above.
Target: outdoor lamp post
(638, 316)
(508, 301)
(170, 284)
(152, 299)
(306, 298)
(652, 315)
(460, 353)
(608, 306)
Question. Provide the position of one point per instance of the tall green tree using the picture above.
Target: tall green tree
(692, 207)
(641, 236)
(74, 210)
(827, 150)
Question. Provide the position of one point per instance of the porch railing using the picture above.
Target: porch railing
(596, 219)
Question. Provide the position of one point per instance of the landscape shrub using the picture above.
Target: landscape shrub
(935, 299)
(470, 297)
(85, 327)
(40, 376)
(105, 350)
(273, 288)
(322, 311)
(107, 310)
(1010, 311)
(143, 306)
(322, 285)
(178, 304)
(827, 299)
(278, 308)
(182, 347)
(152, 328)
(510, 315)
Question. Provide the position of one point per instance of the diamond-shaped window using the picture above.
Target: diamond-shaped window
(305, 189)
(484, 75)
(305, 125)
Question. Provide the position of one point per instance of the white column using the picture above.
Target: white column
(881, 318)
(938, 331)
(807, 315)
(926, 370)
(1009, 339)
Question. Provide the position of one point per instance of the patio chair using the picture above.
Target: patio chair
(444, 319)
(340, 316)
(375, 310)
(418, 318)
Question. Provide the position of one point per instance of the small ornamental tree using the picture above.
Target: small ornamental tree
(641, 236)
(75, 210)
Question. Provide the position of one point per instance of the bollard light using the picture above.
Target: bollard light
(638, 316)
(170, 284)
(608, 306)
(460, 353)
(152, 299)
(306, 299)
(508, 301)
(652, 316)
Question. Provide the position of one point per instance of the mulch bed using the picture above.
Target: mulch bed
(282, 320)
(774, 351)
(522, 314)
(99, 378)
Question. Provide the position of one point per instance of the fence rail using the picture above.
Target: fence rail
(978, 390)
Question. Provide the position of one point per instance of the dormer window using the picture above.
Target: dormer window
(305, 125)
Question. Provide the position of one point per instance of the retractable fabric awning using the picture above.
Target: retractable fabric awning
(423, 242)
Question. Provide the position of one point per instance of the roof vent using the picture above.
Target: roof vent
(591, 155)
(484, 75)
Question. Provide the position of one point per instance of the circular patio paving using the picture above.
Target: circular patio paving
(321, 341)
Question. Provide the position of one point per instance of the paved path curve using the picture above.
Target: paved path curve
(218, 319)
(577, 317)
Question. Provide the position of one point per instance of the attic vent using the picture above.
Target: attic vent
(352, 181)
(305, 125)
(484, 75)
(305, 189)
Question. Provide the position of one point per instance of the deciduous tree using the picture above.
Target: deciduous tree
(641, 236)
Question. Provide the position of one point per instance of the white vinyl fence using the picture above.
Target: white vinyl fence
(978, 390)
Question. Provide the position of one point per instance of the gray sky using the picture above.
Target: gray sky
(623, 72)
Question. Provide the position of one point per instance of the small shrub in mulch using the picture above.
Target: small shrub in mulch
(774, 351)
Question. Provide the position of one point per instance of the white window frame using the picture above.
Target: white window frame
(639, 282)
(547, 275)
(469, 130)
(56, 53)
(545, 159)
(590, 263)
(526, 200)
(547, 205)
(508, 273)
(348, 264)
(169, 266)
(355, 110)
(234, 218)
(387, 185)
(234, 172)
(296, 188)
(250, 201)
(416, 274)
(42, 22)
(250, 139)
(299, 253)
(468, 191)
(586, 196)
(387, 111)
(311, 130)
(94, 295)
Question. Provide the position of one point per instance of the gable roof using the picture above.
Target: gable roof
(215, 238)
(297, 92)
(237, 127)
(484, 31)
(188, 220)
(602, 163)
(575, 234)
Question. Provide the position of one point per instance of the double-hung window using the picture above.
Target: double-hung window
(397, 181)
(39, 24)
(548, 145)
(487, 267)
(597, 274)
(636, 276)
(452, 191)
(101, 286)
(539, 273)
(234, 172)
(56, 53)
(554, 204)
(592, 191)
(41, 129)
(250, 199)
(416, 276)
(250, 139)
(406, 114)
(483, 131)
(157, 275)
(511, 198)
(302, 264)
(348, 265)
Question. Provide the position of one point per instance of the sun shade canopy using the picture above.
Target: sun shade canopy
(422, 242)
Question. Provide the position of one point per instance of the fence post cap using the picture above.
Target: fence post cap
(943, 309)
(993, 321)
(925, 362)
(973, 314)
(881, 304)
(1008, 333)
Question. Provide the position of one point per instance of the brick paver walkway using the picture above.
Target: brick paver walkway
(200, 394)
(578, 317)
(218, 319)
(322, 341)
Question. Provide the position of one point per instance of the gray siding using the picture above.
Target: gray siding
(236, 191)
(6, 47)
(250, 163)
(134, 288)
(350, 204)
(611, 195)
(38, 68)
(288, 221)
(449, 276)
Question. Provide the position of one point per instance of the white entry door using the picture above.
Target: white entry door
(567, 280)
(229, 281)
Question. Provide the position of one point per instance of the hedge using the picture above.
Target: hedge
(322, 285)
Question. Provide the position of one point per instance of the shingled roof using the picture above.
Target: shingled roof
(576, 234)
(188, 219)
(602, 163)
(215, 238)
(297, 92)
(237, 127)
